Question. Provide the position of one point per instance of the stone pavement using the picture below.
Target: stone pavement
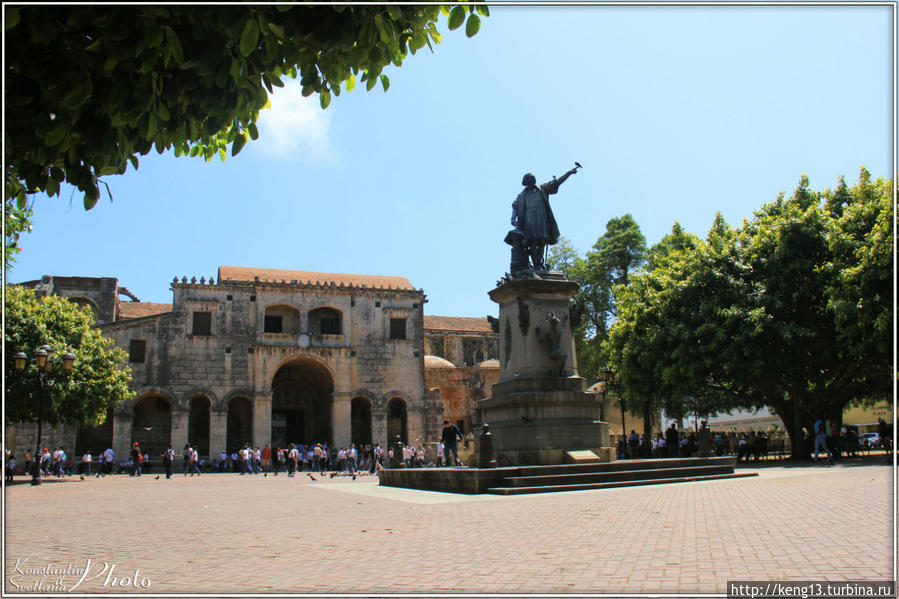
(241, 534)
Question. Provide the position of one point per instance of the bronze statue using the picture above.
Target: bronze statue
(535, 225)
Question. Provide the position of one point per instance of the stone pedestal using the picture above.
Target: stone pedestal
(540, 410)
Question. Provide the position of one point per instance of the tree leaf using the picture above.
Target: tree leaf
(90, 197)
(249, 38)
(351, 83)
(277, 30)
(173, 45)
(12, 18)
(253, 131)
(456, 18)
(52, 187)
(324, 99)
(473, 25)
(238, 144)
(385, 82)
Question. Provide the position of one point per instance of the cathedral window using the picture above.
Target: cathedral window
(202, 323)
(137, 350)
(397, 328)
(274, 324)
(325, 321)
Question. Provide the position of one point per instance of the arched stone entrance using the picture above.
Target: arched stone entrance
(198, 424)
(240, 424)
(301, 404)
(397, 421)
(360, 421)
(94, 439)
(152, 425)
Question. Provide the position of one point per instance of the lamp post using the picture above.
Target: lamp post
(43, 363)
(609, 377)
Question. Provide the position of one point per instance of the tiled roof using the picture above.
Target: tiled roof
(141, 309)
(273, 275)
(457, 323)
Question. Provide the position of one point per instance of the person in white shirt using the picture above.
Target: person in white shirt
(351, 459)
(292, 457)
(341, 459)
(194, 461)
(439, 453)
(168, 460)
(85, 464)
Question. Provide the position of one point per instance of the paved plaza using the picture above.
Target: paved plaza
(243, 534)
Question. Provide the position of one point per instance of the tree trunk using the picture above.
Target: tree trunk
(647, 430)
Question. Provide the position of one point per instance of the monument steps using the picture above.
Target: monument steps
(544, 479)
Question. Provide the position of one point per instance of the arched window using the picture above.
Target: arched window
(325, 321)
(152, 425)
(81, 302)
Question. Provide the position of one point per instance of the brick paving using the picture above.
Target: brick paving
(240, 534)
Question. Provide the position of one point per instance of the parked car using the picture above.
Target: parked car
(869, 439)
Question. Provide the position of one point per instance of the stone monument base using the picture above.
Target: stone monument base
(540, 412)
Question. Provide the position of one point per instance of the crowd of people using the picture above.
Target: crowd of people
(749, 445)
(319, 458)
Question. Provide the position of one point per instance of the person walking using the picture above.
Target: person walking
(451, 434)
(821, 440)
(168, 460)
(292, 457)
(266, 458)
(136, 458)
(185, 456)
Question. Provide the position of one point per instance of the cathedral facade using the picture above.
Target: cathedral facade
(271, 357)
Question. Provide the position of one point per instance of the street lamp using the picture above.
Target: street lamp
(43, 362)
(609, 377)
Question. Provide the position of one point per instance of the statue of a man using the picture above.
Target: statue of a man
(535, 225)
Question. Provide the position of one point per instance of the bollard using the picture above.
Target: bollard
(485, 455)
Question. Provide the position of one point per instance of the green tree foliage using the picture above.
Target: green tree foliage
(757, 316)
(98, 380)
(89, 88)
(615, 255)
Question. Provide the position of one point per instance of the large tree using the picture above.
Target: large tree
(757, 316)
(89, 88)
(99, 379)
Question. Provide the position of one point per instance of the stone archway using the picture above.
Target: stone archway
(360, 421)
(95, 439)
(397, 421)
(301, 404)
(198, 424)
(240, 424)
(152, 425)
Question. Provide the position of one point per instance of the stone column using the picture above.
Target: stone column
(262, 419)
(379, 427)
(218, 431)
(121, 434)
(341, 413)
(180, 427)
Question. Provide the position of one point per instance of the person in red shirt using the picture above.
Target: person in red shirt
(266, 457)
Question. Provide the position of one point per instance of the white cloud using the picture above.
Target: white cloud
(295, 125)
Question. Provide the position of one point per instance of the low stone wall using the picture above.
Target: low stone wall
(452, 480)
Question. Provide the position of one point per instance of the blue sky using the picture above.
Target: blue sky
(675, 113)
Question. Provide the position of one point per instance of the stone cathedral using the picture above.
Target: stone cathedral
(265, 356)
